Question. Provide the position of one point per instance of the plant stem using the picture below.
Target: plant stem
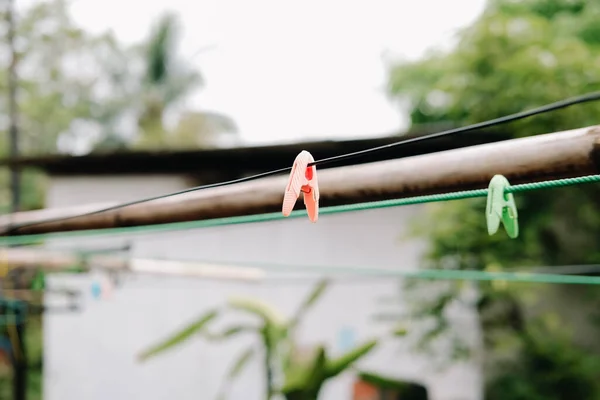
(268, 368)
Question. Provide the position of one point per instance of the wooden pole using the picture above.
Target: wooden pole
(550, 156)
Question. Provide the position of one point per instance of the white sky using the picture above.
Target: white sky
(289, 71)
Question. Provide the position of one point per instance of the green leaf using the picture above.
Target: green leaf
(256, 307)
(240, 363)
(179, 337)
(335, 367)
(400, 331)
(274, 328)
(229, 332)
(312, 298)
(405, 389)
(235, 370)
(317, 373)
(304, 377)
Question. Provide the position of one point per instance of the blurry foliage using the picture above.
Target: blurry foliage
(303, 375)
(511, 59)
(61, 69)
(33, 187)
(517, 55)
(549, 367)
(34, 342)
(80, 92)
(165, 82)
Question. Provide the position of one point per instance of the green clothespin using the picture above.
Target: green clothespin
(501, 207)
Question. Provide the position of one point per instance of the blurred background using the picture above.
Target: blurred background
(111, 101)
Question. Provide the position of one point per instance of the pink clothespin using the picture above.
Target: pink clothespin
(303, 179)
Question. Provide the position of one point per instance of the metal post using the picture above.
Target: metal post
(20, 366)
(20, 363)
(15, 183)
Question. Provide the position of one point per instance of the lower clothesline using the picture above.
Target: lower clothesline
(370, 273)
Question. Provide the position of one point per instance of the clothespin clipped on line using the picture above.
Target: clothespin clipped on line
(302, 179)
(501, 207)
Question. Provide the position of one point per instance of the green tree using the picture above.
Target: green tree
(165, 82)
(517, 55)
(79, 92)
(61, 70)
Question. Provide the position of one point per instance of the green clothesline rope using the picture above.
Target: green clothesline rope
(247, 219)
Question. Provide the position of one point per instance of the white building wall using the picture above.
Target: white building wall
(64, 191)
(91, 355)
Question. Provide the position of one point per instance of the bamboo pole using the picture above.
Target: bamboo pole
(555, 155)
(54, 261)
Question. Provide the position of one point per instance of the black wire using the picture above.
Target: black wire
(14, 228)
(594, 96)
